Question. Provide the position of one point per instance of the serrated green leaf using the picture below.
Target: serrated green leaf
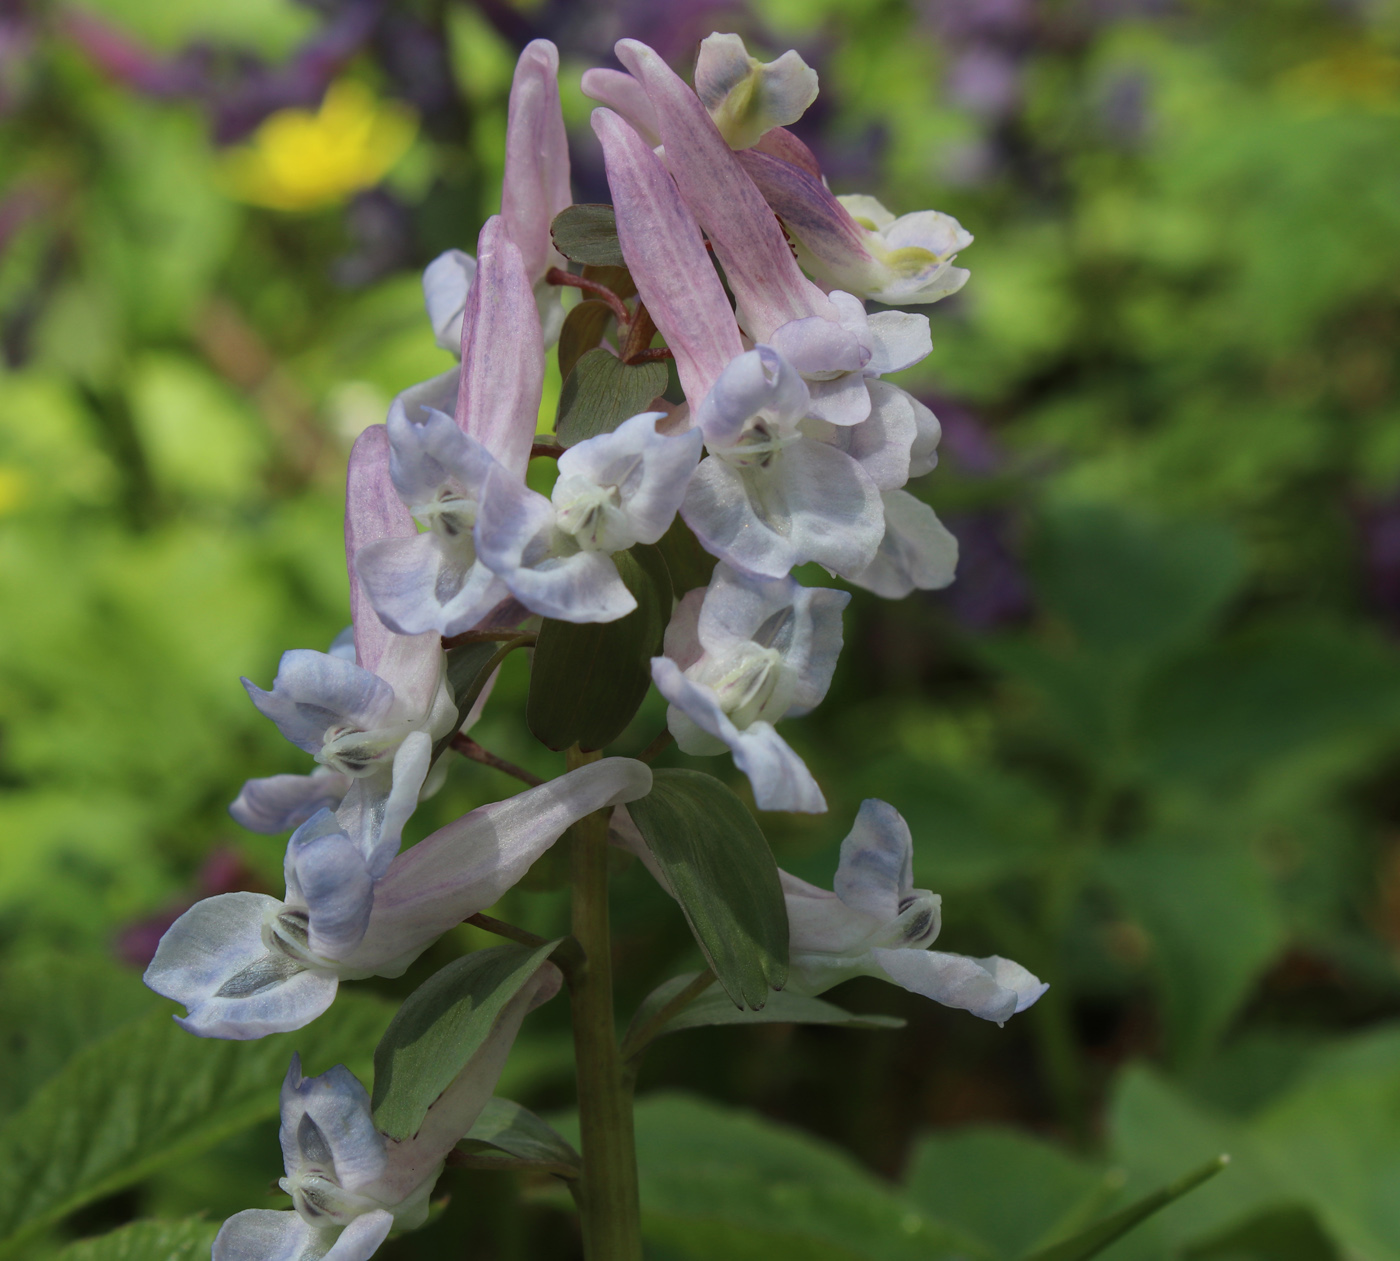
(53, 1005)
(690, 564)
(582, 330)
(602, 391)
(588, 679)
(187, 1240)
(1091, 1242)
(714, 1007)
(588, 234)
(149, 1093)
(506, 1127)
(718, 863)
(441, 1025)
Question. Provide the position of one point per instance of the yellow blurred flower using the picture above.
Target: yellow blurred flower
(14, 490)
(298, 160)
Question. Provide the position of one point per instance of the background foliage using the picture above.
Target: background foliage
(1147, 743)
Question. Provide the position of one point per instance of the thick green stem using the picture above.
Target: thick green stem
(608, 1200)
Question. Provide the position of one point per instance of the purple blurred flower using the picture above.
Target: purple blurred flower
(1379, 529)
(223, 871)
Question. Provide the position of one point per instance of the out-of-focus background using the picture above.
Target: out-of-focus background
(1148, 742)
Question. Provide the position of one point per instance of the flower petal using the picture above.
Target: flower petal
(502, 352)
(446, 282)
(466, 866)
(993, 988)
(265, 1234)
(536, 183)
(780, 779)
(749, 243)
(214, 961)
(421, 584)
(876, 872)
(881, 443)
(917, 551)
(314, 691)
(900, 339)
(326, 873)
(746, 97)
(326, 1128)
(373, 511)
(282, 802)
(623, 95)
(667, 257)
(757, 385)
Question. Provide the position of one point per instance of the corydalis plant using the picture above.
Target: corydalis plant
(784, 445)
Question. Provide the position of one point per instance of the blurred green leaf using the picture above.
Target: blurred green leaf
(187, 1240)
(440, 1026)
(602, 391)
(719, 1182)
(506, 1127)
(1129, 585)
(1092, 1242)
(1007, 1189)
(587, 679)
(718, 863)
(583, 329)
(1214, 921)
(149, 1093)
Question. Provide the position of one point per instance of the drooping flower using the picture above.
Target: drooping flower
(247, 964)
(613, 490)
(741, 655)
(350, 1184)
(877, 924)
(853, 243)
(433, 581)
(370, 717)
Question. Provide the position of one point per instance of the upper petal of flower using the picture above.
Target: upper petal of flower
(876, 871)
(326, 1128)
(623, 95)
(666, 255)
(758, 386)
(314, 691)
(279, 803)
(536, 183)
(326, 872)
(502, 352)
(747, 97)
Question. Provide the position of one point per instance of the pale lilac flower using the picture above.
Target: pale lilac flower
(371, 720)
(350, 1184)
(247, 964)
(446, 282)
(746, 97)
(854, 244)
(741, 655)
(613, 490)
(433, 581)
(877, 924)
(769, 497)
(917, 553)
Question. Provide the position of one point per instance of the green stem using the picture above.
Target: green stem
(608, 1199)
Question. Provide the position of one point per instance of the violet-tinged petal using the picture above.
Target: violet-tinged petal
(993, 988)
(466, 866)
(923, 455)
(747, 97)
(876, 871)
(842, 401)
(326, 1128)
(215, 961)
(372, 512)
(264, 1234)
(917, 551)
(809, 501)
(667, 256)
(327, 874)
(881, 443)
(343, 645)
(820, 923)
(782, 144)
(279, 803)
(517, 537)
(536, 183)
(780, 779)
(437, 470)
(436, 394)
(421, 584)
(624, 487)
(498, 403)
(756, 388)
(749, 243)
(446, 282)
(900, 339)
(314, 691)
(682, 640)
(623, 95)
